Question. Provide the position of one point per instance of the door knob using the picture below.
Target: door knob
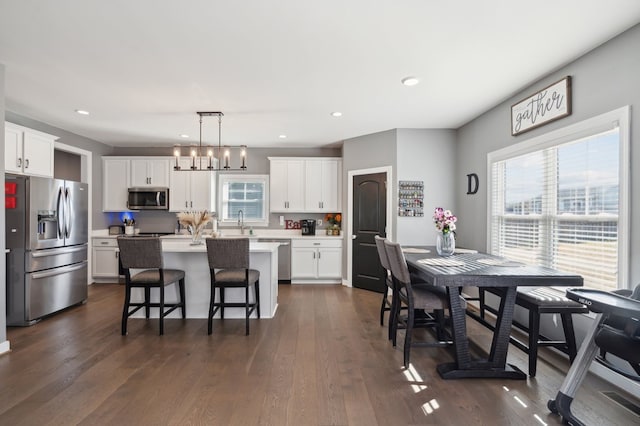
(353, 237)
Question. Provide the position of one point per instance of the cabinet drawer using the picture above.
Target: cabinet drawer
(105, 242)
(316, 243)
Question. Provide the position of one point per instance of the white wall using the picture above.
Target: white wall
(429, 156)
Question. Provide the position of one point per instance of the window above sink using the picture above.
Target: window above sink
(246, 193)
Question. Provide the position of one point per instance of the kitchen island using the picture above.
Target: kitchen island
(178, 253)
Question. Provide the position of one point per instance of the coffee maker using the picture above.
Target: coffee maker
(308, 226)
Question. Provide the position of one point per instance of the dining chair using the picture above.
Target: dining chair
(146, 253)
(230, 257)
(387, 303)
(425, 297)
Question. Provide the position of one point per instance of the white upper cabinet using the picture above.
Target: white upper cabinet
(322, 185)
(152, 172)
(28, 151)
(305, 185)
(191, 190)
(115, 183)
(286, 185)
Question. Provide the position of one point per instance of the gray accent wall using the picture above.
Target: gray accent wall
(67, 165)
(367, 152)
(428, 156)
(603, 80)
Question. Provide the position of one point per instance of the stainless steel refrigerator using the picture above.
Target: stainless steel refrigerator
(46, 237)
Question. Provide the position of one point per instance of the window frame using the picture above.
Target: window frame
(617, 118)
(223, 179)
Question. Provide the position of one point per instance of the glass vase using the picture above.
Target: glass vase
(445, 244)
(196, 235)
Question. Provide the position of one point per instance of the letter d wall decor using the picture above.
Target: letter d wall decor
(472, 183)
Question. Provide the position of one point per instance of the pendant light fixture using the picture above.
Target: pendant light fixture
(205, 157)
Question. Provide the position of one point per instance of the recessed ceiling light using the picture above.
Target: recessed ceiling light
(82, 112)
(336, 114)
(410, 81)
(283, 136)
(184, 136)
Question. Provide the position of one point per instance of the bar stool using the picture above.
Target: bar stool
(231, 257)
(146, 253)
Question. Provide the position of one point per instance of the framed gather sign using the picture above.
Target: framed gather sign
(546, 105)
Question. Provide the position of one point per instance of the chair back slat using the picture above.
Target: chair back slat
(228, 253)
(140, 252)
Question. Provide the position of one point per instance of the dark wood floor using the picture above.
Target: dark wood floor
(323, 360)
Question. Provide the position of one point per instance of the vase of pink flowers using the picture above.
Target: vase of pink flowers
(446, 225)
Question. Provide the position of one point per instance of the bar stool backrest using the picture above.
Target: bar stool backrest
(140, 252)
(228, 253)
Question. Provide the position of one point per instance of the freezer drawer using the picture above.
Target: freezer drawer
(55, 289)
(39, 260)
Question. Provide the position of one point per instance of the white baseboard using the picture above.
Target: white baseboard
(616, 379)
(5, 347)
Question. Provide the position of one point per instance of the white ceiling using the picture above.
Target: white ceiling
(143, 68)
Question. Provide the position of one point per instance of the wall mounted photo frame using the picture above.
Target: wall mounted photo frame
(546, 105)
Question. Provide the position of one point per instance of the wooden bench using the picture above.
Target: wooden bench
(538, 301)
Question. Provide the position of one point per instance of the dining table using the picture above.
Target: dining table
(470, 268)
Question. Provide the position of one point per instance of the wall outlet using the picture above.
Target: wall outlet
(281, 220)
(319, 222)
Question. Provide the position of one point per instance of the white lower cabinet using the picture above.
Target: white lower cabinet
(105, 258)
(316, 260)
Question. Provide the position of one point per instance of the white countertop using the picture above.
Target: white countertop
(183, 245)
(258, 234)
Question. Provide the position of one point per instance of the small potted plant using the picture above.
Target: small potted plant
(334, 220)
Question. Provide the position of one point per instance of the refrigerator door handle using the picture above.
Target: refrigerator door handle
(67, 213)
(60, 213)
(59, 271)
(55, 252)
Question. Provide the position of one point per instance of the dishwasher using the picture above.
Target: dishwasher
(284, 258)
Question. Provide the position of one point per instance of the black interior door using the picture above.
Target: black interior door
(369, 220)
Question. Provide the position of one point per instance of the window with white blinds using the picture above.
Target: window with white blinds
(558, 205)
(247, 193)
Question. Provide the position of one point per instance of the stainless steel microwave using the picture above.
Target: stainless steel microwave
(147, 198)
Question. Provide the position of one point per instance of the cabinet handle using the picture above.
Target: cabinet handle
(186, 204)
(191, 202)
(314, 254)
(104, 242)
(26, 163)
(319, 255)
(19, 162)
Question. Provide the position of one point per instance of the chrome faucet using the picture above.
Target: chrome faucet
(241, 221)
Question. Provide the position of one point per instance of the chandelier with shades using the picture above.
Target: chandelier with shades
(211, 157)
